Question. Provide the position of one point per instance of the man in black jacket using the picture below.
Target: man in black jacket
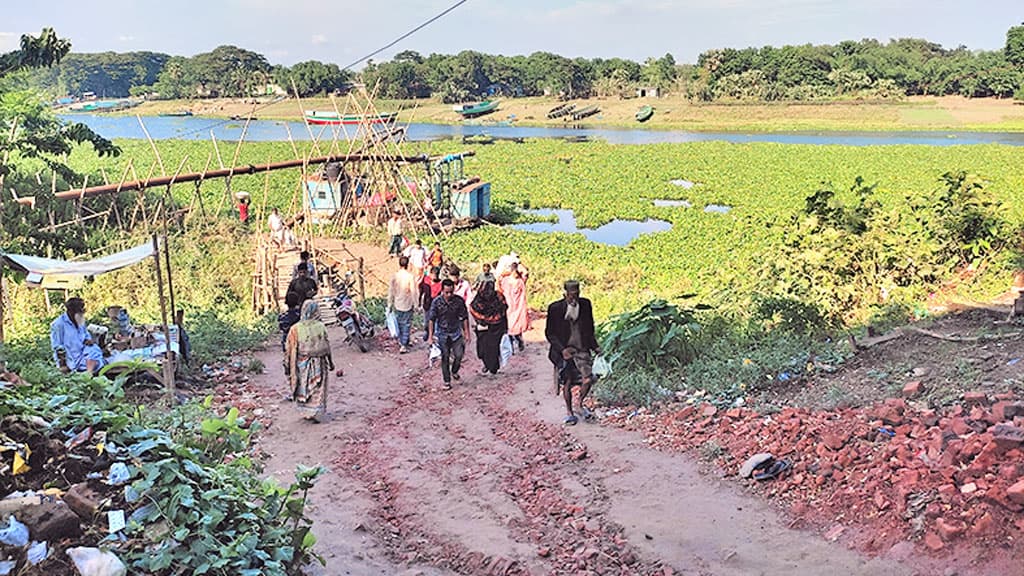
(570, 331)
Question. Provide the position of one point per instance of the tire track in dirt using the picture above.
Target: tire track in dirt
(483, 479)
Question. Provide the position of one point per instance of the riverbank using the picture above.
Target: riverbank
(671, 113)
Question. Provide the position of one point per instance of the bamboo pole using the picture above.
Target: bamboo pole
(150, 182)
(168, 367)
(156, 152)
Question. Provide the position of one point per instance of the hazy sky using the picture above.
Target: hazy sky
(340, 31)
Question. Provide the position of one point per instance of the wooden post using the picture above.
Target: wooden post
(362, 283)
(1, 299)
(167, 260)
(169, 362)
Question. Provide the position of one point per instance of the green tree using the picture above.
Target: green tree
(32, 138)
(1014, 49)
(311, 77)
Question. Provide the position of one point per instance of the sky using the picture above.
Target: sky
(343, 31)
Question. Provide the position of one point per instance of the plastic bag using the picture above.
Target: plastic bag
(602, 367)
(14, 534)
(506, 349)
(435, 352)
(95, 562)
(391, 320)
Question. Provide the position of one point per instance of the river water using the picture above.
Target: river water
(197, 128)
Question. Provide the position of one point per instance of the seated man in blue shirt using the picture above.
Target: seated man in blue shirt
(73, 348)
(448, 322)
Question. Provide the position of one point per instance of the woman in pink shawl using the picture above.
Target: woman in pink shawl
(513, 287)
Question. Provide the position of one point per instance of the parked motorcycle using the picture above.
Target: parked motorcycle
(358, 326)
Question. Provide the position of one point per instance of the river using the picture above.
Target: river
(198, 128)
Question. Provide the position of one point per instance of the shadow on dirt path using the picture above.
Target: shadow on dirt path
(484, 479)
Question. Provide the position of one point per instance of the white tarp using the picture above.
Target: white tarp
(49, 273)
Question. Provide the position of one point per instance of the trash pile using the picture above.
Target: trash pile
(943, 479)
(40, 523)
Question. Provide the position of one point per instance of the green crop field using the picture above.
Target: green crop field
(714, 255)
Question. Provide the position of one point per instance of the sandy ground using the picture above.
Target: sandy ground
(484, 479)
(671, 112)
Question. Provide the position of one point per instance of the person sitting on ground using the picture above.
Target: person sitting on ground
(488, 310)
(73, 347)
(305, 262)
(303, 285)
(309, 362)
(570, 331)
(485, 276)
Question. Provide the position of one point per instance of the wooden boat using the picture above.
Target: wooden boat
(561, 110)
(478, 139)
(583, 113)
(178, 114)
(330, 118)
(475, 109)
(644, 113)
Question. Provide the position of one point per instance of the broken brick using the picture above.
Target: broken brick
(913, 388)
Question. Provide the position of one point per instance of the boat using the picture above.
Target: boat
(475, 109)
(644, 113)
(561, 110)
(478, 139)
(322, 118)
(178, 114)
(583, 113)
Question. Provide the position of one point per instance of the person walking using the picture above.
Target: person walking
(305, 262)
(402, 293)
(309, 362)
(488, 310)
(436, 257)
(417, 258)
(303, 285)
(448, 327)
(484, 276)
(513, 288)
(430, 288)
(570, 332)
(395, 232)
(286, 320)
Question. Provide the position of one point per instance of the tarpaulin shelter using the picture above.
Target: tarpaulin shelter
(63, 274)
(49, 273)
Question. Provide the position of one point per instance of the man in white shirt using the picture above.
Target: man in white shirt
(395, 231)
(417, 258)
(402, 296)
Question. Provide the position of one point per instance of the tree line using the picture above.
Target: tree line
(850, 69)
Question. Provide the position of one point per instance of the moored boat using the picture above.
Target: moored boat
(644, 113)
(561, 110)
(583, 113)
(177, 114)
(474, 109)
(321, 118)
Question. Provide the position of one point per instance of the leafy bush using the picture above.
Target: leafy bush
(647, 348)
(214, 335)
(196, 501)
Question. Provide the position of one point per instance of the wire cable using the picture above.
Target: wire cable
(423, 25)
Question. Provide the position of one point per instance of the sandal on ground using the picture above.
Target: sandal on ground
(570, 420)
(777, 468)
(447, 385)
(456, 376)
(586, 414)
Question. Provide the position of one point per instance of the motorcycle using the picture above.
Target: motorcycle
(358, 327)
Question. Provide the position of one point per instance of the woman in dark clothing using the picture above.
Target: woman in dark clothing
(288, 319)
(489, 311)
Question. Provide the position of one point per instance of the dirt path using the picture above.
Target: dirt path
(484, 480)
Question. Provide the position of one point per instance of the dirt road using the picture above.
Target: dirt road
(484, 479)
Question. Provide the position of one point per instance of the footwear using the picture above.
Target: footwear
(570, 420)
(777, 468)
(447, 385)
(402, 350)
(484, 370)
(456, 376)
(585, 413)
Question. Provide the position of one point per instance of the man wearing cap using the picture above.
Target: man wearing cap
(570, 331)
(73, 347)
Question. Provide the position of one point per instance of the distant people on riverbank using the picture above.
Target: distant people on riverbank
(395, 232)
